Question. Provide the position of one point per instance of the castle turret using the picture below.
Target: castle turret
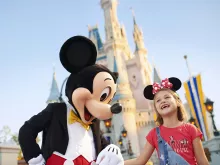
(156, 76)
(54, 91)
(138, 38)
(115, 34)
(112, 27)
(141, 54)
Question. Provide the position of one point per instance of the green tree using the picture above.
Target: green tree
(14, 137)
(5, 134)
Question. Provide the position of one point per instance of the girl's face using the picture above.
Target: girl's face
(165, 103)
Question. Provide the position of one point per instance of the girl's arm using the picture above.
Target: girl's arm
(143, 157)
(199, 152)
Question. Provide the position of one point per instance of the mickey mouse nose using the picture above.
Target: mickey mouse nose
(116, 108)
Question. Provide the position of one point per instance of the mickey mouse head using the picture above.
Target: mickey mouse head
(90, 87)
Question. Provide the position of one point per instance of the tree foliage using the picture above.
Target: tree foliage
(5, 134)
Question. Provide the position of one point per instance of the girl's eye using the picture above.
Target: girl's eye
(157, 101)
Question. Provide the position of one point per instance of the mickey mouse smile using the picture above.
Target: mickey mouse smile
(87, 114)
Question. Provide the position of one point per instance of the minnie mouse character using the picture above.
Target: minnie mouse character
(71, 131)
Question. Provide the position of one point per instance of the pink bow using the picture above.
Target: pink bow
(164, 84)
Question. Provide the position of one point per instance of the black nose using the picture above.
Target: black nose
(116, 108)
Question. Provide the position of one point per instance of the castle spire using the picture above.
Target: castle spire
(156, 75)
(54, 91)
(112, 26)
(134, 20)
(138, 37)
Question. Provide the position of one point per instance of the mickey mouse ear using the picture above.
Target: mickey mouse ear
(77, 53)
(116, 75)
(176, 83)
(148, 94)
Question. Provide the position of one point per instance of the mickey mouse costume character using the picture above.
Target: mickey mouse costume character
(71, 131)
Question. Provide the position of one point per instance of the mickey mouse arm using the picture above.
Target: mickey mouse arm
(104, 142)
(29, 131)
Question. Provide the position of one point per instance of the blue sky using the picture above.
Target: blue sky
(32, 32)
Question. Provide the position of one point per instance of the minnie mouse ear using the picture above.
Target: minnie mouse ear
(148, 92)
(77, 53)
(176, 83)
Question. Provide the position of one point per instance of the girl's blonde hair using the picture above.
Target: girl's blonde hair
(181, 113)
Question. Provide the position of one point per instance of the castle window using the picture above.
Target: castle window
(134, 77)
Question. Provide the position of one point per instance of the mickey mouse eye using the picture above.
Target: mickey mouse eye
(105, 93)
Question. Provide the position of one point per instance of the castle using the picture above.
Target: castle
(137, 117)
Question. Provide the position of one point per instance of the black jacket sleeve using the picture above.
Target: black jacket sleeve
(29, 131)
(104, 142)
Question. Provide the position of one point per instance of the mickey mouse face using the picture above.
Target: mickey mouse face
(96, 104)
(104, 87)
(90, 87)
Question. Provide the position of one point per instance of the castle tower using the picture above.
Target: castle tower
(141, 53)
(117, 52)
(54, 91)
(112, 27)
(139, 69)
(138, 38)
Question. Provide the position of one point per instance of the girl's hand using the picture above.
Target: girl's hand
(143, 157)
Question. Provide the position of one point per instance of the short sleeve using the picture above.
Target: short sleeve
(151, 137)
(195, 132)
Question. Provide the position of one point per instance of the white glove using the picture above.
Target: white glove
(111, 155)
(37, 161)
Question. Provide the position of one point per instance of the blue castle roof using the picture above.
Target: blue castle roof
(95, 32)
(101, 58)
(54, 91)
(156, 76)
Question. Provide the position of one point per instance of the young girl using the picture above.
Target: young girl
(176, 142)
